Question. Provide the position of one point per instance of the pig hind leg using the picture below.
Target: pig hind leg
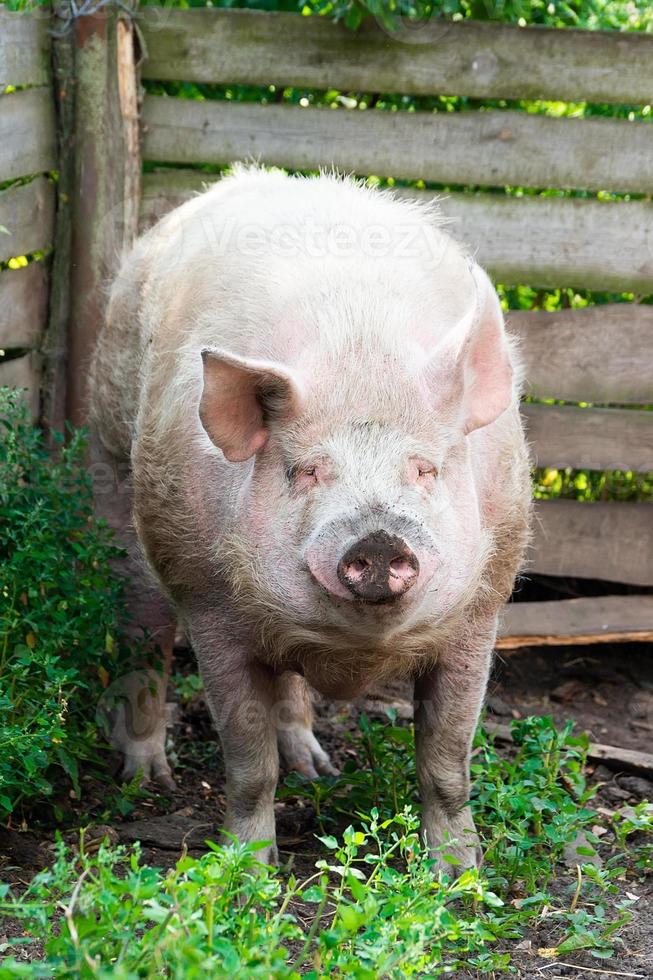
(298, 747)
(135, 718)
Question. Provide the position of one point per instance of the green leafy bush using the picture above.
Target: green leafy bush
(59, 609)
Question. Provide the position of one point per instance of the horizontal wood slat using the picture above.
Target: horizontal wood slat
(27, 133)
(553, 242)
(24, 372)
(603, 619)
(541, 241)
(23, 305)
(492, 148)
(27, 212)
(24, 48)
(596, 354)
(163, 190)
(608, 541)
(469, 58)
(591, 438)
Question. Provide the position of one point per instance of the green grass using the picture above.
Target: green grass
(373, 906)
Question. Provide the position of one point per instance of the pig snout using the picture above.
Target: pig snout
(378, 568)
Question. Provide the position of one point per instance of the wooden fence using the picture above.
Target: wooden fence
(601, 355)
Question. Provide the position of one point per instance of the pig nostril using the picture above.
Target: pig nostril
(359, 565)
(401, 568)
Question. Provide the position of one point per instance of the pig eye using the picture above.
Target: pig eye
(424, 473)
(302, 476)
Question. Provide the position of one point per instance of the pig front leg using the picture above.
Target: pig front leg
(298, 746)
(448, 700)
(241, 695)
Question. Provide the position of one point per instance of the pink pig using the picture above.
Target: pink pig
(316, 392)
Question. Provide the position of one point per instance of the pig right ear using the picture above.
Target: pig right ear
(239, 398)
(471, 373)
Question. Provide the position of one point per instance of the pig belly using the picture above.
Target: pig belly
(347, 676)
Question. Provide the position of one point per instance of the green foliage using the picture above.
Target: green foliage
(59, 608)
(398, 15)
(225, 915)
(592, 485)
(373, 907)
(392, 14)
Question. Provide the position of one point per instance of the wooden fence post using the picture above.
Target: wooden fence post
(106, 181)
(55, 340)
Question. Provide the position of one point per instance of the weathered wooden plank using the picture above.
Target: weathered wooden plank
(608, 541)
(468, 58)
(597, 354)
(601, 619)
(591, 438)
(27, 133)
(24, 372)
(163, 190)
(491, 148)
(23, 305)
(24, 48)
(540, 241)
(555, 242)
(27, 212)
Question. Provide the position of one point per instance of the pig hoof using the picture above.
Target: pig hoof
(458, 840)
(468, 857)
(301, 751)
(152, 769)
(268, 855)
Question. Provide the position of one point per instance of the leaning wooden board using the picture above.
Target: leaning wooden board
(601, 619)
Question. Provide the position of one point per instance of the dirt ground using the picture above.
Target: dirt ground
(606, 690)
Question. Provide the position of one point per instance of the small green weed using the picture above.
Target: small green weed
(637, 822)
(187, 686)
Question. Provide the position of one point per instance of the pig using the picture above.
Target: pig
(318, 400)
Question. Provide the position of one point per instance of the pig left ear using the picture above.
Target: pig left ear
(479, 376)
(239, 398)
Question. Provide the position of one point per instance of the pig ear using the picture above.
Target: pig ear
(477, 359)
(240, 396)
